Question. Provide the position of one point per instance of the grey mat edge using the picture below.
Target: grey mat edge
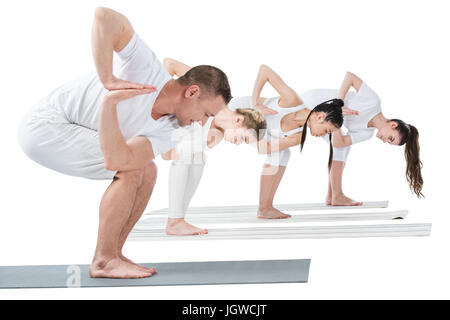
(301, 276)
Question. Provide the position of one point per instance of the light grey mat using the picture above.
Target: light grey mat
(298, 232)
(169, 274)
(282, 207)
(245, 217)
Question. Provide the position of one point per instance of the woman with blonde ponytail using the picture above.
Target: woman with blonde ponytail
(189, 157)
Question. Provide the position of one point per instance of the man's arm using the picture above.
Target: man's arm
(111, 31)
(121, 155)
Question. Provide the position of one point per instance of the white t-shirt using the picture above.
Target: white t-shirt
(81, 99)
(365, 101)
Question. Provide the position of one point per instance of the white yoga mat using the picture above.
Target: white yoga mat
(282, 207)
(310, 232)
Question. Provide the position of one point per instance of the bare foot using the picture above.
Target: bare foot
(179, 227)
(152, 270)
(116, 268)
(328, 200)
(272, 213)
(342, 200)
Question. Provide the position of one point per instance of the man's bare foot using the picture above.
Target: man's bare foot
(152, 270)
(179, 227)
(272, 213)
(116, 268)
(342, 200)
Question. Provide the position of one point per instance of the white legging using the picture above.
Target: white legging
(184, 178)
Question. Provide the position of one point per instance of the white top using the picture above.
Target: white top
(193, 139)
(81, 99)
(365, 101)
(273, 120)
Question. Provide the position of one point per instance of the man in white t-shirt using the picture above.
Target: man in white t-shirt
(112, 126)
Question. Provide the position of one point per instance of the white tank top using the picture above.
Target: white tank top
(274, 120)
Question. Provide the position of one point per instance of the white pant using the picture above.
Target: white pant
(48, 138)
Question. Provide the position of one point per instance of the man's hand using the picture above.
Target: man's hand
(349, 112)
(118, 84)
(115, 96)
(265, 109)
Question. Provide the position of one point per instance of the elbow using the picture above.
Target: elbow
(263, 68)
(114, 164)
(111, 166)
(167, 62)
(168, 65)
(349, 74)
(101, 13)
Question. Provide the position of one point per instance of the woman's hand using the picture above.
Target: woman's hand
(349, 112)
(115, 96)
(119, 84)
(265, 109)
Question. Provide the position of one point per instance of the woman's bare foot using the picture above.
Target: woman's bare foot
(152, 270)
(328, 200)
(116, 268)
(342, 200)
(179, 227)
(272, 213)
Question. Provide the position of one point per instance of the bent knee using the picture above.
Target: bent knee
(150, 173)
(134, 177)
(139, 176)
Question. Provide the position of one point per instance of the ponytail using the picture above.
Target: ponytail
(410, 137)
(413, 163)
(330, 157)
(333, 110)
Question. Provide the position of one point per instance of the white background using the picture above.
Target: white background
(400, 48)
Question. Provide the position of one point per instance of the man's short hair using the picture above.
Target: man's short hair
(211, 79)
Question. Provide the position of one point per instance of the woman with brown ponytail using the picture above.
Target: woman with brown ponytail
(288, 117)
(361, 128)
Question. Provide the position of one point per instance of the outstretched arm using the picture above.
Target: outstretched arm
(340, 141)
(275, 146)
(350, 80)
(175, 68)
(288, 96)
(121, 155)
(111, 31)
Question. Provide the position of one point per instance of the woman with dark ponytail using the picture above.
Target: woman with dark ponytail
(288, 119)
(362, 127)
